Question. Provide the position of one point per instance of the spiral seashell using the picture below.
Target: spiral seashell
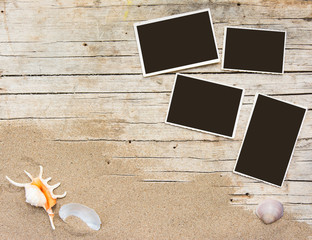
(39, 193)
(34, 196)
(270, 210)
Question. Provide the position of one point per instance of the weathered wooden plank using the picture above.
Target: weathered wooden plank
(295, 61)
(88, 3)
(298, 171)
(254, 199)
(124, 106)
(73, 48)
(181, 168)
(291, 83)
(230, 9)
(295, 188)
(123, 32)
(121, 105)
(115, 22)
(78, 48)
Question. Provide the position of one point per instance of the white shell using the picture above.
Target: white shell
(270, 210)
(86, 214)
(34, 196)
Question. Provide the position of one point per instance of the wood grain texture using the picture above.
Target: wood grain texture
(69, 64)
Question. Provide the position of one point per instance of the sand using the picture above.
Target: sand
(128, 207)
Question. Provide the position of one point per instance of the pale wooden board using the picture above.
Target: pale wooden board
(75, 63)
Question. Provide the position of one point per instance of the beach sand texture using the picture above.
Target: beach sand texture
(129, 207)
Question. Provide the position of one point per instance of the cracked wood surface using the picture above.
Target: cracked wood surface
(65, 65)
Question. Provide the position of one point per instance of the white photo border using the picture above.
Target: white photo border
(135, 25)
(290, 158)
(199, 130)
(252, 71)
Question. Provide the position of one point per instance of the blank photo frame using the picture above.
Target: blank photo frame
(176, 42)
(270, 140)
(205, 106)
(254, 50)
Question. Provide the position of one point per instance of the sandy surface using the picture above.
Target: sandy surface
(128, 207)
